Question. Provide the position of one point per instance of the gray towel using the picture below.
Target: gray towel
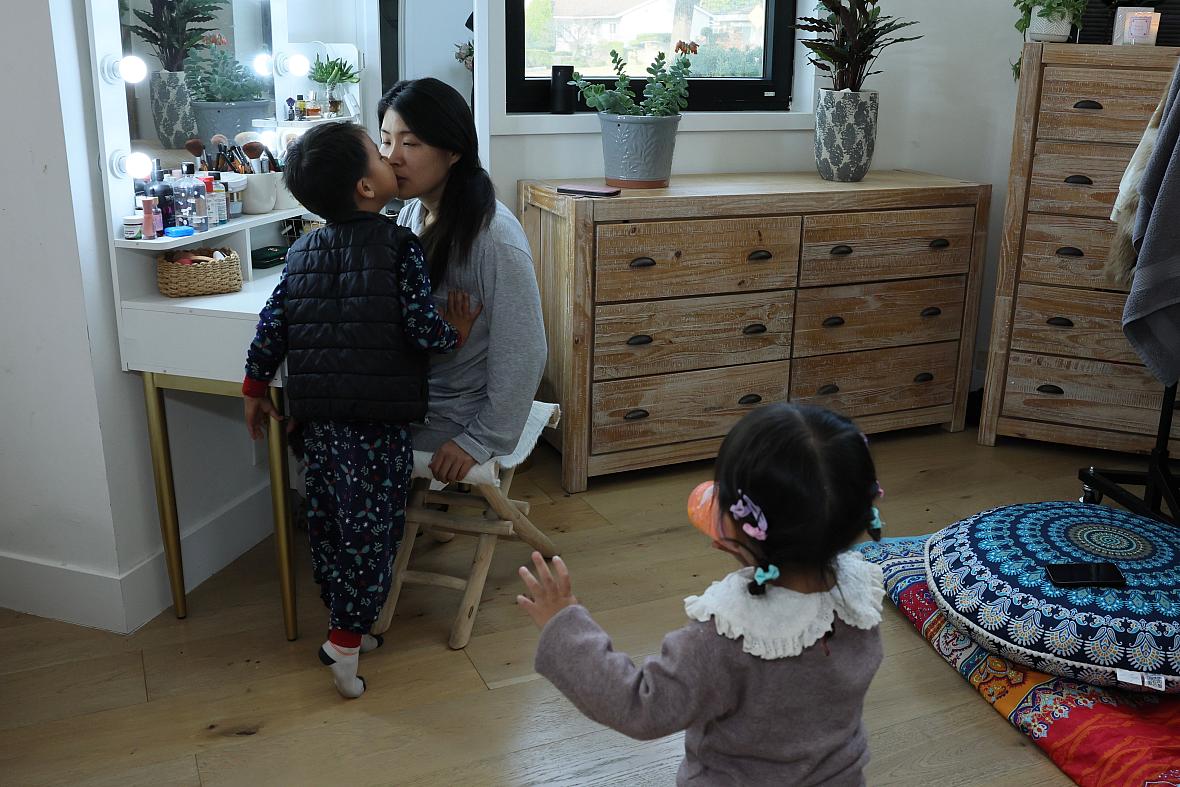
(1151, 318)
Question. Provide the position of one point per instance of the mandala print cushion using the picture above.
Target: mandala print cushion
(987, 574)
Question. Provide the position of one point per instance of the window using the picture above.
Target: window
(744, 62)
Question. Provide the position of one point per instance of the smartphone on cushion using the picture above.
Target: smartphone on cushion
(1074, 574)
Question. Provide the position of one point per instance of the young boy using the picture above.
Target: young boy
(352, 315)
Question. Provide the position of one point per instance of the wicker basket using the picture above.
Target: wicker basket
(200, 278)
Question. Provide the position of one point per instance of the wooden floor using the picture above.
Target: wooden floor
(222, 698)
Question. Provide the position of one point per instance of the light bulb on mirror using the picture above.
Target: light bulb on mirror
(263, 64)
(296, 65)
(135, 165)
(130, 69)
(269, 138)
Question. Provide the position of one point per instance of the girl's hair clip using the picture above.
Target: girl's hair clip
(769, 575)
(875, 525)
(878, 490)
(745, 508)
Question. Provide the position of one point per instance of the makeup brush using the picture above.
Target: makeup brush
(254, 151)
(242, 137)
(196, 149)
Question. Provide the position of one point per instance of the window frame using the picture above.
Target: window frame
(532, 94)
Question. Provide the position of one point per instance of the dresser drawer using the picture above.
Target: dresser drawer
(878, 381)
(896, 244)
(673, 408)
(1068, 251)
(1083, 393)
(668, 259)
(883, 314)
(657, 337)
(1080, 323)
(1098, 104)
(1076, 179)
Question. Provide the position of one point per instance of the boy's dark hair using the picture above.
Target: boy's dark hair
(810, 472)
(439, 116)
(323, 166)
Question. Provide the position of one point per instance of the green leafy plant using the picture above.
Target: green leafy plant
(169, 28)
(333, 71)
(1047, 9)
(665, 92)
(216, 75)
(850, 39)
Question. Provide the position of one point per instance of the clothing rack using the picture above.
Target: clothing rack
(1160, 481)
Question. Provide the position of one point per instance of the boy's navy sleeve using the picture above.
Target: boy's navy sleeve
(269, 347)
(424, 326)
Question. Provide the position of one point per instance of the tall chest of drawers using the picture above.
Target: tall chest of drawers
(671, 313)
(1059, 368)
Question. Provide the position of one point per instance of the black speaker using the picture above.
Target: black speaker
(562, 94)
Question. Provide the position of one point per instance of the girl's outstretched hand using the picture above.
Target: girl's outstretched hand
(550, 594)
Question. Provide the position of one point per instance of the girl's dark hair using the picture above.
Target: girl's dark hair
(439, 116)
(323, 166)
(810, 472)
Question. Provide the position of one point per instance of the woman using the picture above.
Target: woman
(480, 395)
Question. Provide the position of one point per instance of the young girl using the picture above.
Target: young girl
(769, 680)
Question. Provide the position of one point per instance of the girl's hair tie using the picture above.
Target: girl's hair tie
(875, 525)
(769, 575)
(745, 508)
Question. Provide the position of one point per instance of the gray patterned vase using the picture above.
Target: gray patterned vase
(172, 109)
(637, 149)
(845, 134)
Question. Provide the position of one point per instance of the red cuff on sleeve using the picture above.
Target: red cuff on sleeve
(254, 388)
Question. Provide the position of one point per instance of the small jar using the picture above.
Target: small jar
(133, 227)
(234, 200)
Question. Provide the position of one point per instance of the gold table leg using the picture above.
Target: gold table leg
(165, 490)
(284, 544)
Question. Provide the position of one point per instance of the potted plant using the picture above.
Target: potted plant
(1048, 20)
(332, 73)
(638, 139)
(848, 42)
(170, 30)
(225, 96)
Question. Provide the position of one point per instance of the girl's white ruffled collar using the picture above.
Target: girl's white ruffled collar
(783, 622)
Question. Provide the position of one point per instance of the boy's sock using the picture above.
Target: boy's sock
(341, 654)
(371, 642)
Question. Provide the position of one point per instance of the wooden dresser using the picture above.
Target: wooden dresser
(671, 313)
(1059, 368)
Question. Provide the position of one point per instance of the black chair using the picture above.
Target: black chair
(1159, 481)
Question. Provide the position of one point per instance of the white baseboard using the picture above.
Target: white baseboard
(123, 603)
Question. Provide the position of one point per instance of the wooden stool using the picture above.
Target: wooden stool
(501, 518)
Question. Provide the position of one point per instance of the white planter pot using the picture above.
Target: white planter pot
(1055, 30)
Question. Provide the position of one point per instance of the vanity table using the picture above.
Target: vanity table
(198, 344)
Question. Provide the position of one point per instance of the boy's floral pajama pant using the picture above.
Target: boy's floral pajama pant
(358, 477)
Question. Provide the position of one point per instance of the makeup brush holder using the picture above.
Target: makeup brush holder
(284, 199)
(262, 191)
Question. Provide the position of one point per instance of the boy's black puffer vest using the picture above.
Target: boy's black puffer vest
(347, 356)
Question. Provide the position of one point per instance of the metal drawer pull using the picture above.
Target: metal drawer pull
(833, 322)
(931, 311)
(1087, 104)
(923, 377)
(759, 255)
(639, 339)
(635, 415)
(1060, 322)
(754, 328)
(1079, 180)
(841, 250)
(940, 243)
(830, 388)
(1070, 251)
(1056, 390)
(750, 399)
(642, 262)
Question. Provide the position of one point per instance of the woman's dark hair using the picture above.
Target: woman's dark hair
(439, 116)
(809, 471)
(323, 166)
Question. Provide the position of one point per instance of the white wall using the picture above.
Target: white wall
(947, 106)
(431, 28)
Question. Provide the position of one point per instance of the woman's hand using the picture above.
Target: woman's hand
(550, 594)
(451, 463)
(460, 314)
